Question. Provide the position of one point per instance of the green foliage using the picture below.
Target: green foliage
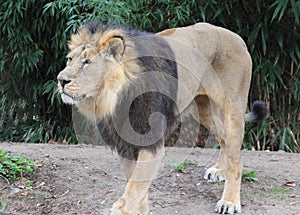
(249, 176)
(15, 167)
(180, 166)
(34, 36)
(32, 54)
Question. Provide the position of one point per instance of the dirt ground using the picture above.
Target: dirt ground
(86, 179)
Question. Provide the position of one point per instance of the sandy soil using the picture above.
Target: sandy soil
(86, 179)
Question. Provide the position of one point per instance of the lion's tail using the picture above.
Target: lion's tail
(258, 112)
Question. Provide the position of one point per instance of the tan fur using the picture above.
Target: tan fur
(215, 68)
(221, 96)
(167, 32)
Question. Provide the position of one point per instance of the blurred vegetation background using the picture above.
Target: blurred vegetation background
(34, 35)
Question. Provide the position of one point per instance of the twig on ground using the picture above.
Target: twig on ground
(7, 181)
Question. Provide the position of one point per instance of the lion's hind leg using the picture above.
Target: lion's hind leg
(229, 169)
(134, 201)
(230, 155)
(227, 124)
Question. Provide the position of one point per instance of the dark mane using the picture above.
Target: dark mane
(153, 55)
(97, 26)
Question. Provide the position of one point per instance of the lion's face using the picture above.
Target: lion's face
(83, 75)
(93, 61)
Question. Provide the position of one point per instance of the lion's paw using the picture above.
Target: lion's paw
(121, 207)
(227, 207)
(117, 207)
(213, 174)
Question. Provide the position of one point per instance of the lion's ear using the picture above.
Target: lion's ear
(113, 46)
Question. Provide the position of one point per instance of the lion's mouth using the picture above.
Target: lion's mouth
(68, 98)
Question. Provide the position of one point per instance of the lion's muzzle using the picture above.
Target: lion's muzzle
(67, 96)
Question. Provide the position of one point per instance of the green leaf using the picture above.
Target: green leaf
(250, 176)
(279, 39)
(280, 9)
(264, 38)
(258, 5)
(278, 73)
(283, 138)
(296, 8)
(271, 79)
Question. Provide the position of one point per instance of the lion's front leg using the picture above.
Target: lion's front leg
(134, 201)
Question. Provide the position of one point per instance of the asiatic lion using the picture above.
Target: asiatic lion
(136, 85)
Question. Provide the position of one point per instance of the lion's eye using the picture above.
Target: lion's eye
(85, 62)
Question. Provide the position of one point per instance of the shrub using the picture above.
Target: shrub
(15, 167)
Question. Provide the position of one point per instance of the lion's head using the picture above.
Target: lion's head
(98, 65)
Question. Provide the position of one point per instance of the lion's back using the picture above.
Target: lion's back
(206, 39)
(209, 57)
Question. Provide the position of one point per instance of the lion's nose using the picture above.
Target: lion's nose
(63, 82)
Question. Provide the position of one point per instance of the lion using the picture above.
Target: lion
(137, 85)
